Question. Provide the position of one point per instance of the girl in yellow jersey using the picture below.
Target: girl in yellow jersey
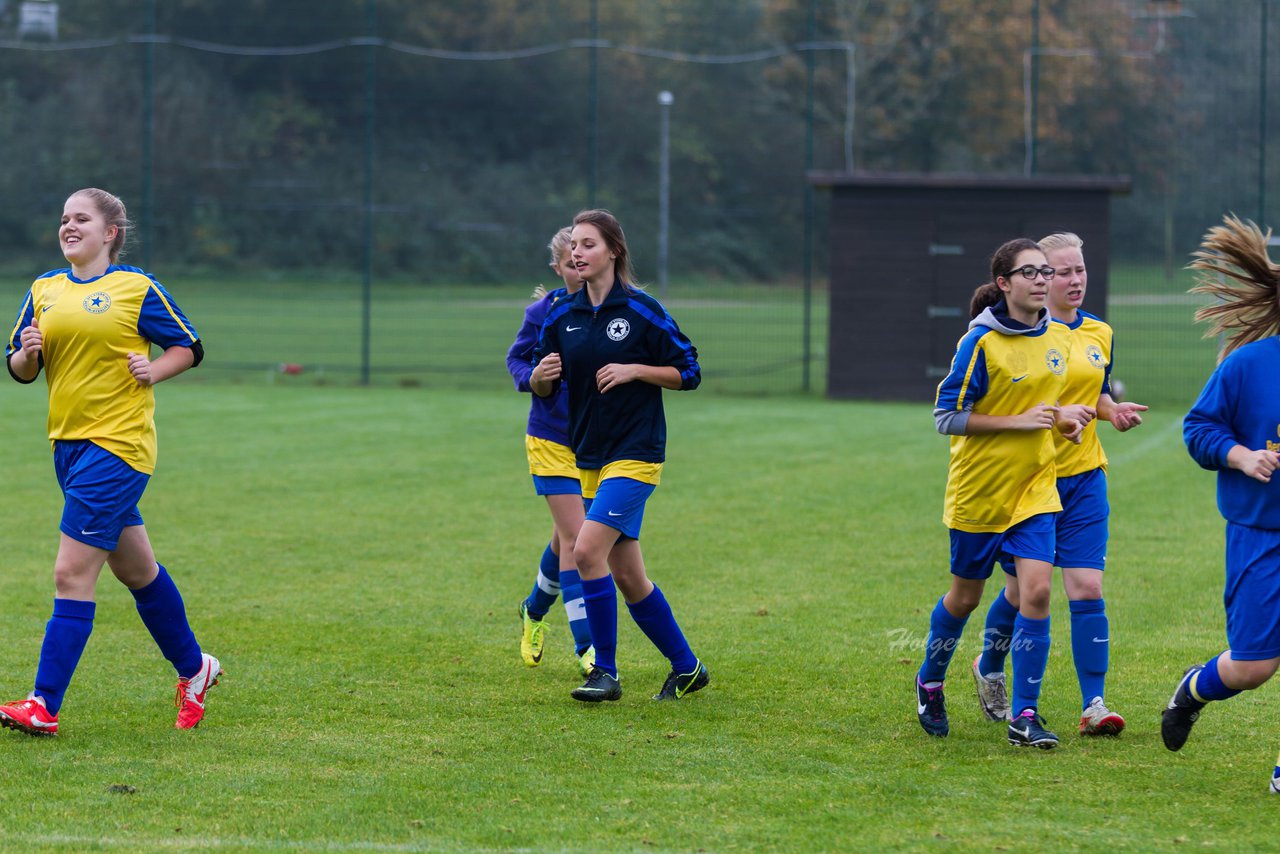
(1081, 528)
(999, 405)
(91, 326)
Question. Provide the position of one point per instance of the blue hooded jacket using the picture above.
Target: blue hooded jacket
(629, 327)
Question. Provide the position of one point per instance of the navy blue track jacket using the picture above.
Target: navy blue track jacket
(629, 327)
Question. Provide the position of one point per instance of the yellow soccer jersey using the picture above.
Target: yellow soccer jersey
(997, 480)
(1088, 375)
(88, 329)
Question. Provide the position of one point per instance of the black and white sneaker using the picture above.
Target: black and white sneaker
(931, 709)
(1028, 730)
(679, 684)
(600, 686)
(1182, 712)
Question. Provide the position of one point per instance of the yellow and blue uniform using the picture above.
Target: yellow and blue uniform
(88, 329)
(1088, 377)
(102, 428)
(1001, 494)
(1081, 529)
(1001, 367)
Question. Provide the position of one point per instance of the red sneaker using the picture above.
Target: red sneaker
(190, 697)
(29, 716)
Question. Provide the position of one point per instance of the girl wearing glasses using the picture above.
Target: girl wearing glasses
(998, 403)
(1232, 429)
(1081, 536)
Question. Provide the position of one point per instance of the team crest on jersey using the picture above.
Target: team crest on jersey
(1094, 355)
(1054, 360)
(97, 303)
(617, 329)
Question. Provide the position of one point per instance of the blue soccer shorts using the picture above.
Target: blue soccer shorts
(100, 493)
(974, 555)
(619, 503)
(1252, 592)
(1082, 524)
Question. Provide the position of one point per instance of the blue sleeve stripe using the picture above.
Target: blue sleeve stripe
(159, 291)
(17, 327)
(665, 323)
(540, 340)
(954, 387)
(557, 311)
(1111, 361)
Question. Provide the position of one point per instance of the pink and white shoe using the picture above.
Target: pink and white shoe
(191, 692)
(29, 716)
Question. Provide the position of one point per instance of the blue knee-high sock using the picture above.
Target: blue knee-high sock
(600, 598)
(1030, 655)
(575, 610)
(944, 636)
(65, 636)
(653, 615)
(546, 587)
(1207, 686)
(997, 634)
(165, 616)
(1090, 645)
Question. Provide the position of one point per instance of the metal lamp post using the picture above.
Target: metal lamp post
(665, 100)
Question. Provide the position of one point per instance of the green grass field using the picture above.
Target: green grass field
(355, 556)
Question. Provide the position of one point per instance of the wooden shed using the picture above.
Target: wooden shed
(907, 251)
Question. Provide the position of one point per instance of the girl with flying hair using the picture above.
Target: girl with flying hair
(1234, 429)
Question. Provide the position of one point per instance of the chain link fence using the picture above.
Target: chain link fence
(362, 190)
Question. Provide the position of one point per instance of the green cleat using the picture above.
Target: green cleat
(587, 660)
(532, 638)
(679, 684)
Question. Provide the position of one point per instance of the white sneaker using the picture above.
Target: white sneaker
(191, 692)
(992, 695)
(1099, 720)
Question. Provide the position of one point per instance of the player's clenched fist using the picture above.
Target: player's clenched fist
(140, 367)
(31, 339)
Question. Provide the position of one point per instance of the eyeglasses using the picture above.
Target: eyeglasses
(1030, 272)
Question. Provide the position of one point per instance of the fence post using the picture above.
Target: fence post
(370, 101)
(148, 135)
(808, 198)
(1262, 118)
